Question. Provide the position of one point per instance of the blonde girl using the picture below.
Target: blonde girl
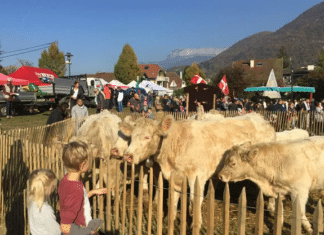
(42, 184)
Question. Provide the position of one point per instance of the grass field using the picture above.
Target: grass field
(31, 120)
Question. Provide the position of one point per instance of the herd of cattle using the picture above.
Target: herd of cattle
(227, 149)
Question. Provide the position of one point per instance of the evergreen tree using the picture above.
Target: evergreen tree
(284, 55)
(190, 72)
(127, 68)
(53, 59)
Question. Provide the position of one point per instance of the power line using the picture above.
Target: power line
(9, 52)
(23, 52)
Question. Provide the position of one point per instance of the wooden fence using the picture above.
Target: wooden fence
(129, 213)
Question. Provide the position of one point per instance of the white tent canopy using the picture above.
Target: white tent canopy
(103, 81)
(272, 82)
(116, 83)
(152, 86)
(132, 84)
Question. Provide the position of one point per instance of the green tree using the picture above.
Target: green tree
(190, 72)
(235, 81)
(320, 63)
(53, 59)
(9, 69)
(284, 55)
(127, 68)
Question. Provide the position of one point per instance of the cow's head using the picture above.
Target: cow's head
(145, 137)
(123, 141)
(237, 163)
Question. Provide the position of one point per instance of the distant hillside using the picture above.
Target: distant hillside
(303, 39)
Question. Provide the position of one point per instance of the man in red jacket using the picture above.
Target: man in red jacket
(107, 95)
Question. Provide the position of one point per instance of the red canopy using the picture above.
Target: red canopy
(33, 75)
(15, 82)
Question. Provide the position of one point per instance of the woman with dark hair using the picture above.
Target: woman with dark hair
(58, 114)
(76, 93)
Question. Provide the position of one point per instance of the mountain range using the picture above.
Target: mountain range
(187, 56)
(303, 39)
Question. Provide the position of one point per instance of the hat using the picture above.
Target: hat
(9, 79)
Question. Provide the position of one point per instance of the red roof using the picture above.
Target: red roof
(33, 75)
(174, 77)
(150, 70)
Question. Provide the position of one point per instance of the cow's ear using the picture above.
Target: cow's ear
(125, 128)
(165, 125)
(129, 120)
(246, 145)
(253, 153)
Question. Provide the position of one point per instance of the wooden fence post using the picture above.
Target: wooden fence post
(196, 209)
(124, 199)
(226, 210)
(149, 224)
(131, 209)
(140, 203)
(259, 214)
(296, 217)
(278, 216)
(183, 216)
(160, 205)
(214, 102)
(318, 219)
(242, 213)
(117, 197)
(210, 208)
(171, 211)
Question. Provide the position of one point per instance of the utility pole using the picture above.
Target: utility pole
(68, 56)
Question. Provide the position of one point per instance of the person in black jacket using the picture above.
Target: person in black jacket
(101, 103)
(58, 114)
(76, 93)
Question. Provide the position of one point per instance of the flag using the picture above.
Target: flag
(223, 86)
(197, 79)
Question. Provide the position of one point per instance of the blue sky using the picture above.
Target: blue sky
(96, 31)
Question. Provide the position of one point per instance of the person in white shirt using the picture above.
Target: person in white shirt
(120, 98)
(40, 214)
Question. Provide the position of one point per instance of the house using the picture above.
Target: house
(175, 81)
(258, 70)
(155, 73)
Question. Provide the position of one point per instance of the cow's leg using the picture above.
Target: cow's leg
(303, 197)
(176, 200)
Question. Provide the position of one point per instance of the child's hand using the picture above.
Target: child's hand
(98, 191)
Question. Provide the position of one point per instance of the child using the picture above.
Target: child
(41, 216)
(74, 201)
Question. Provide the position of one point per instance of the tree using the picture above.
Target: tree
(9, 69)
(235, 81)
(320, 63)
(53, 59)
(127, 68)
(190, 72)
(26, 62)
(284, 55)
